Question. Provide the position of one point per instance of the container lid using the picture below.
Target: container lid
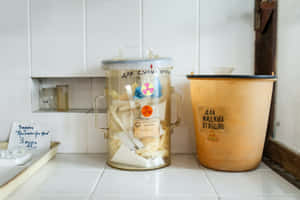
(136, 63)
(216, 76)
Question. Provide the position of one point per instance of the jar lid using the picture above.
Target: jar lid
(237, 76)
(137, 63)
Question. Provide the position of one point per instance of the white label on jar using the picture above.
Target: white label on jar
(146, 128)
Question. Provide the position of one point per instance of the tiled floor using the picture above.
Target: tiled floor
(86, 177)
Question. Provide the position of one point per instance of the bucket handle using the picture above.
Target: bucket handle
(103, 130)
(178, 106)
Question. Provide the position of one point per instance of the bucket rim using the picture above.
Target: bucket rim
(207, 76)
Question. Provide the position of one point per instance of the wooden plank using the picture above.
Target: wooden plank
(265, 43)
(265, 47)
(283, 156)
(24, 175)
(282, 172)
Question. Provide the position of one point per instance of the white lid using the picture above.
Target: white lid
(137, 63)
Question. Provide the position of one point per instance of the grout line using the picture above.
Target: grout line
(29, 36)
(211, 184)
(29, 52)
(141, 27)
(88, 117)
(197, 66)
(84, 8)
(207, 179)
(97, 183)
(91, 92)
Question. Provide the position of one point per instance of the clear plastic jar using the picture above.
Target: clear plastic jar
(139, 113)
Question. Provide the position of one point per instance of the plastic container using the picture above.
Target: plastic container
(139, 105)
(230, 117)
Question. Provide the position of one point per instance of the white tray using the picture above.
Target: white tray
(20, 175)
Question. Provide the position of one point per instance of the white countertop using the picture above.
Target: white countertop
(87, 177)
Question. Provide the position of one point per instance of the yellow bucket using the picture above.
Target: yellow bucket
(231, 117)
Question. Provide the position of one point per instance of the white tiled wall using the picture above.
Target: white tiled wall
(71, 37)
(288, 90)
(170, 27)
(226, 35)
(111, 25)
(57, 37)
(14, 70)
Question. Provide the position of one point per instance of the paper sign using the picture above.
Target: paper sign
(28, 135)
(146, 128)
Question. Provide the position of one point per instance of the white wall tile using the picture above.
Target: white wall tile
(183, 138)
(96, 141)
(14, 69)
(111, 25)
(98, 89)
(287, 109)
(170, 28)
(57, 37)
(15, 104)
(70, 129)
(13, 40)
(227, 35)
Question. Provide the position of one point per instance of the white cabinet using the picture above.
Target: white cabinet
(111, 25)
(57, 37)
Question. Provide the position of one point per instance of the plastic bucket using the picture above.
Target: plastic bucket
(230, 116)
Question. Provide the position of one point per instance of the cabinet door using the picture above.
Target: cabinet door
(111, 25)
(57, 37)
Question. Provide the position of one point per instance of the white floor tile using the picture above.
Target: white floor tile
(263, 166)
(170, 197)
(55, 197)
(161, 184)
(58, 182)
(285, 197)
(250, 184)
(82, 162)
(65, 177)
(79, 177)
(64, 181)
